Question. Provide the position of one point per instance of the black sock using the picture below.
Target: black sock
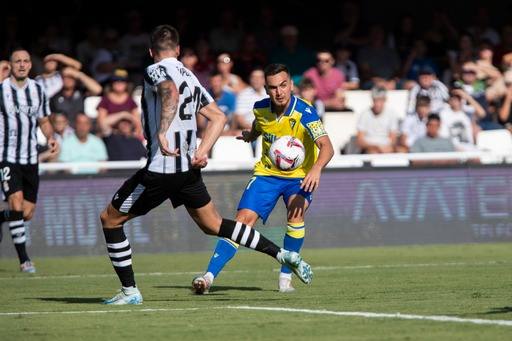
(17, 229)
(120, 254)
(248, 237)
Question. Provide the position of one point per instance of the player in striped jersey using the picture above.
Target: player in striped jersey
(171, 99)
(23, 106)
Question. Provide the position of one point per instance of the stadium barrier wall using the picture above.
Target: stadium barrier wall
(353, 207)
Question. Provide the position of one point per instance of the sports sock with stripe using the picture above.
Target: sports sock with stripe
(293, 240)
(120, 254)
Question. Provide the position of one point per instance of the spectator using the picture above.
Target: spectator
(432, 142)
(486, 72)
(247, 97)
(505, 110)
(307, 91)
(83, 146)
(327, 80)
(481, 29)
(206, 63)
(428, 86)
(230, 81)
(456, 58)
(506, 44)
(417, 60)
(404, 36)
(227, 36)
(413, 126)
(122, 144)
(347, 67)
(377, 62)
(5, 70)
(106, 59)
(377, 127)
(189, 59)
(51, 78)
(226, 101)
(455, 123)
(70, 99)
(61, 130)
(118, 102)
(296, 57)
(249, 57)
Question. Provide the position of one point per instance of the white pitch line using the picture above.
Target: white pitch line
(315, 268)
(436, 318)
(398, 316)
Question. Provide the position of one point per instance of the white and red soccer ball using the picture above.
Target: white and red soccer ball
(287, 153)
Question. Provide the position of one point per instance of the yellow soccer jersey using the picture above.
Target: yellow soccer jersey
(300, 121)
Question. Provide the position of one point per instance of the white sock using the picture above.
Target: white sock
(130, 290)
(209, 277)
(283, 275)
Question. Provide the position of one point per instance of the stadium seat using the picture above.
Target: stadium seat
(340, 126)
(498, 141)
(90, 105)
(228, 148)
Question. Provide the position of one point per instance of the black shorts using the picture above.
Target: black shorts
(16, 177)
(146, 190)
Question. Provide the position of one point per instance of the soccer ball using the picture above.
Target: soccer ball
(287, 153)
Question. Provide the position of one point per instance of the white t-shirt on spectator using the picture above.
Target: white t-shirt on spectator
(52, 85)
(413, 128)
(438, 94)
(245, 102)
(377, 128)
(457, 126)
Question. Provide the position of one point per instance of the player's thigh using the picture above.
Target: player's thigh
(188, 189)
(297, 206)
(207, 218)
(261, 195)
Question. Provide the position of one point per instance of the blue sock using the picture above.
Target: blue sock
(224, 251)
(293, 240)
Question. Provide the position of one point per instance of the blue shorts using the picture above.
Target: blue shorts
(262, 193)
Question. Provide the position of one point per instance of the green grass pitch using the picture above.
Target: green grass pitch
(62, 301)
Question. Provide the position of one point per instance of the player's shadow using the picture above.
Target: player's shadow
(73, 300)
(217, 288)
(499, 310)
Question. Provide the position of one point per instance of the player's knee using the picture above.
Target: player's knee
(28, 214)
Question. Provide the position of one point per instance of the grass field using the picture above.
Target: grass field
(469, 285)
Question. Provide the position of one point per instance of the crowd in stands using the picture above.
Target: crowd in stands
(459, 80)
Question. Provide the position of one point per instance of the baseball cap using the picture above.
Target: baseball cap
(426, 70)
(119, 75)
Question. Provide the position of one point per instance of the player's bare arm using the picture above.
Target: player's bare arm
(215, 126)
(47, 129)
(170, 96)
(312, 179)
(250, 135)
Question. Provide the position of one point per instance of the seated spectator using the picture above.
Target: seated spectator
(82, 146)
(230, 81)
(456, 124)
(70, 99)
(428, 86)
(51, 78)
(307, 91)
(61, 130)
(122, 144)
(327, 80)
(377, 127)
(432, 142)
(189, 59)
(347, 67)
(414, 126)
(116, 103)
(225, 100)
(245, 100)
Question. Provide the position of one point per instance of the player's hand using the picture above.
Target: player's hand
(312, 180)
(164, 146)
(199, 160)
(246, 136)
(53, 146)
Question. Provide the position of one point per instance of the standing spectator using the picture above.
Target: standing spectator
(307, 91)
(227, 36)
(428, 86)
(347, 67)
(432, 142)
(455, 123)
(122, 144)
(292, 54)
(474, 102)
(230, 81)
(247, 97)
(377, 127)
(414, 126)
(118, 102)
(51, 78)
(70, 99)
(327, 80)
(83, 146)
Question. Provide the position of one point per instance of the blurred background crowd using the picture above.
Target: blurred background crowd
(455, 61)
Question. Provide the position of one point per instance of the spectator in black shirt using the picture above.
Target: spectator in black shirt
(122, 145)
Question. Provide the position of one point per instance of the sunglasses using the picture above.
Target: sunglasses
(321, 60)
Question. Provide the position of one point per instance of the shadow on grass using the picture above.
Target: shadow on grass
(72, 300)
(499, 310)
(218, 288)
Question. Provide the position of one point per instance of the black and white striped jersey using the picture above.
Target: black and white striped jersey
(52, 85)
(20, 109)
(182, 131)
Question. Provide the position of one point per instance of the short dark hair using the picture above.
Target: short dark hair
(433, 117)
(164, 37)
(274, 69)
(306, 83)
(17, 49)
(422, 100)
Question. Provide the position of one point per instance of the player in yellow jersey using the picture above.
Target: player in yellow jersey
(281, 114)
